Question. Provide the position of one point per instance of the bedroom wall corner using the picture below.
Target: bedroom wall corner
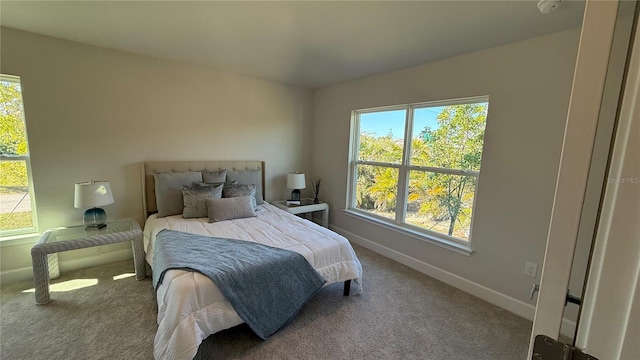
(527, 112)
(96, 113)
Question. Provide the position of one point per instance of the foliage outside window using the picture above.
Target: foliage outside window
(416, 166)
(17, 210)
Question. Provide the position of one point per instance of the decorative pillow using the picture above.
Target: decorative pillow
(169, 190)
(230, 208)
(211, 177)
(236, 190)
(247, 177)
(202, 183)
(194, 197)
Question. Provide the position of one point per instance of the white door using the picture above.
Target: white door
(584, 107)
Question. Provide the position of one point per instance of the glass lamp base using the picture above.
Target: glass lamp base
(95, 218)
(295, 194)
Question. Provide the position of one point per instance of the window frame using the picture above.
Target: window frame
(404, 168)
(9, 234)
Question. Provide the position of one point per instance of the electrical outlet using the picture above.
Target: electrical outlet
(530, 269)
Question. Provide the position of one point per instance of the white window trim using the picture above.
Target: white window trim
(6, 235)
(436, 238)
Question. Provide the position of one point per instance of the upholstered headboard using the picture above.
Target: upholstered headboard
(148, 168)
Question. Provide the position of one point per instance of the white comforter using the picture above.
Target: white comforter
(191, 307)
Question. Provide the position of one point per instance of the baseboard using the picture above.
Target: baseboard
(494, 297)
(26, 273)
(15, 275)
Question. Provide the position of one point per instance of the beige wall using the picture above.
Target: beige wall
(132, 108)
(529, 84)
(94, 113)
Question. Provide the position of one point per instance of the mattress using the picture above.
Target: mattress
(190, 305)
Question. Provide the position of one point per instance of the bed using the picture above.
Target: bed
(190, 305)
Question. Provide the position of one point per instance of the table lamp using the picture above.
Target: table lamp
(296, 181)
(92, 195)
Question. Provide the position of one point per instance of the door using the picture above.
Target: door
(609, 325)
(588, 87)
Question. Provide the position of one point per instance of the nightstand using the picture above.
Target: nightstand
(307, 207)
(78, 237)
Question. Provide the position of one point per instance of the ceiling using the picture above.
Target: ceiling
(303, 43)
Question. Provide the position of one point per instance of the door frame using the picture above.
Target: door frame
(584, 108)
(610, 317)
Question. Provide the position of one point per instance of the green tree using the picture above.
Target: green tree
(13, 138)
(455, 144)
(377, 185)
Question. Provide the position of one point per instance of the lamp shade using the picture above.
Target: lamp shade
(296, 181)
(92, 194)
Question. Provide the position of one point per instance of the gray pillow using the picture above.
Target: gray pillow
(247, 177)
(202, 183)
(194, 197)
(236, 190)
(230, 208)
(218, 176)
(169, 190)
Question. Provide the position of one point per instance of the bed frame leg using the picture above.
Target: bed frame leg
(347, 287)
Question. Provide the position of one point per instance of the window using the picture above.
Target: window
(415, 167)
(17, 209)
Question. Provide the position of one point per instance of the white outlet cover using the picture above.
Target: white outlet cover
(531, 269)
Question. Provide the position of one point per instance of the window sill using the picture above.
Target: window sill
(430, 239)
(19, 239)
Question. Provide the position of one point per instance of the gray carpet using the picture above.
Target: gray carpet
(402, 314)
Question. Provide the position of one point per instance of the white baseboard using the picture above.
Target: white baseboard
(26, 273)
(15, 275)
(506, 302)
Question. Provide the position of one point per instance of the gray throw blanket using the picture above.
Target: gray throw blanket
(266, 286)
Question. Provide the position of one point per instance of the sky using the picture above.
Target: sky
(380, 123)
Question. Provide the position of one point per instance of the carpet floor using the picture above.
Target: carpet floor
(104, 313)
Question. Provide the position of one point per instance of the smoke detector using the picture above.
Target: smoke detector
(548, 6)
